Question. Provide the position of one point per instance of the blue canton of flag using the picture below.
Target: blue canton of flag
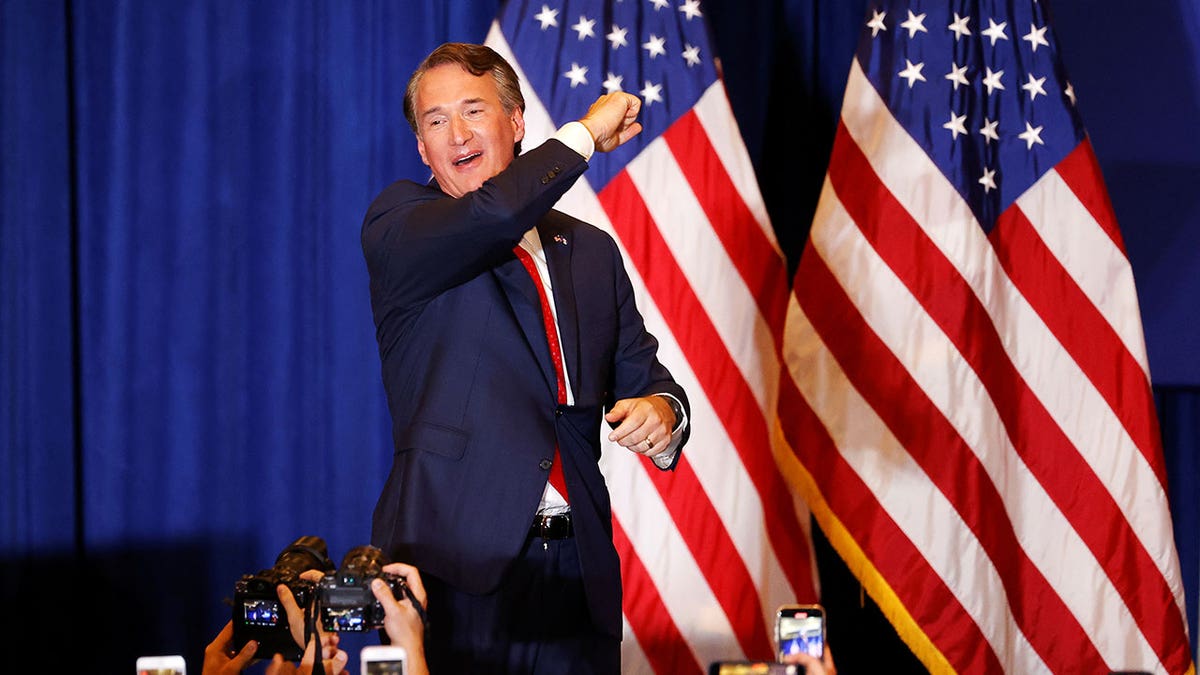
(982, 89)
(575, 50)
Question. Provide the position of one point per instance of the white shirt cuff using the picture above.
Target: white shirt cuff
(577, 137)
(664, 459)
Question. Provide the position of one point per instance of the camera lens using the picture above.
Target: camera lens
(362, 562)
(306, 553)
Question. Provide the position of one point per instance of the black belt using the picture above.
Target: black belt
(552, 527)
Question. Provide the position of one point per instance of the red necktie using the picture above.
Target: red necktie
(556, 472)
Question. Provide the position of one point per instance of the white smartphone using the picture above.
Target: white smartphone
(161, 665)
(382, 660)
(800, 628)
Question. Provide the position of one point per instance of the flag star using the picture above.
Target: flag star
(691, 9)
(956, 125)
(1034, 86)
(957, 75)
(584, 27)
(655, 46)
(1070, 92)
(996, 31)
(659, 4)
(915, 23)
(577, 74)
(617, 36)
(1031, 135)
(876, 23)
(651, 93)
(992, 80)
(547, 17)
(988, 131)
(1037, 36)
(912, 73)
(691, 54)
(613, 83)
(988, 181)
(959, 27)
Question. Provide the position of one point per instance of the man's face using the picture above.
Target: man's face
(464, 135)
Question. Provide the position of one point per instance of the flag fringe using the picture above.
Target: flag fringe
(860, 566)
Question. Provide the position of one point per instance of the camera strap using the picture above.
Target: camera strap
(310, 633)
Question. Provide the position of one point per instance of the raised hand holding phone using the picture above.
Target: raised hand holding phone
(800, 629)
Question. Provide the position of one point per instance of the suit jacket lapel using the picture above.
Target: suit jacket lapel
(526, 307)
(557, 244)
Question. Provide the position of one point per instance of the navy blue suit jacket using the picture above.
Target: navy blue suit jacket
(470, 383)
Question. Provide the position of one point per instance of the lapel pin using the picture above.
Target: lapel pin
(560, 239)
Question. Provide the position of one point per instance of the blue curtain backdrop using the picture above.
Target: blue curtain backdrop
(188, 373)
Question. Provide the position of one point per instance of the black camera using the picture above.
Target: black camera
(345, 597)
(257, 612)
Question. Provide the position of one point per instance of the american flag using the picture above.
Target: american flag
(709, 551)
(966, 392)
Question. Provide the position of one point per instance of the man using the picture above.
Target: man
(506, 331)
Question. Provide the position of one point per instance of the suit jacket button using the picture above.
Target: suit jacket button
(545, 464)
(558, 413)
(545, 179)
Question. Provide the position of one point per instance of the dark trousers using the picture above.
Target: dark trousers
(536, 621)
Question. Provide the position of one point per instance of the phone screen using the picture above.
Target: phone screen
(802, 630)
(161, 665)
(383, 660)
(384, 667)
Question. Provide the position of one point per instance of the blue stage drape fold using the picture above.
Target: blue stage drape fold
(188, 371)
(37, 279)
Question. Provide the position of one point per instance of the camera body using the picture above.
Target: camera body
(258, 614)
(345, 597)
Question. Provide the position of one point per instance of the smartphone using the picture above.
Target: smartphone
(800, 628)
(161, 665)
(382, 660)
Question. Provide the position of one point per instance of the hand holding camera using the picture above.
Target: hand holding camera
(347, 599)
(276, 608)
(258, 611)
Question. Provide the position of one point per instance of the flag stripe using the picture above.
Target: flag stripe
(719, 378)
(680, 582)
(1076, 323)
(663, 645)
(726, 484)
(1081, 172)
(1084, 333)
(886, 542)
(1087, 254)
(715, 369)
(941, 453)
(715, 552)
(716, 116)
(757, 260)
(675, 214)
